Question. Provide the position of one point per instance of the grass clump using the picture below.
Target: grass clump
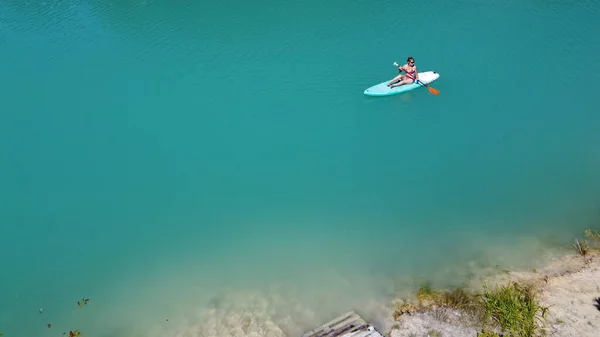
(581, 247)
(434, 333)
(514, 309)
(426, 293)
(487, 333)
(511, 309)
(593, 235)
(405, 308)
(459, 299)
(426, 297)
(429, 298)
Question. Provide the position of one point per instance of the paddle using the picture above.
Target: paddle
(431, 90)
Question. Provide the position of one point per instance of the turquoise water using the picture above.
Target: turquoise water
(218, 164)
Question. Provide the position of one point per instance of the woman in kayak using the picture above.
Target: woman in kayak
(411, 74)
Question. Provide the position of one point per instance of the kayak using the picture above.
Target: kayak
(382, 89)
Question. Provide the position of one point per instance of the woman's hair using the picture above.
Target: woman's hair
(410, 58)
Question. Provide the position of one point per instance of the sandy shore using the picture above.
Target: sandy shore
(565, 282)
(569, 286)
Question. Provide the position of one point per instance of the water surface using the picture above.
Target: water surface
(218, 164)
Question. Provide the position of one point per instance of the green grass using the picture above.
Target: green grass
(459, 299)
(434, 333)
(514, 309)
(487, 333)
(581, 247)
(594, 235)
(426, 293)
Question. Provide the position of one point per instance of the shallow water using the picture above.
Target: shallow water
(218, 164)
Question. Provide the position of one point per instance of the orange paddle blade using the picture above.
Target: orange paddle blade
(433, 91)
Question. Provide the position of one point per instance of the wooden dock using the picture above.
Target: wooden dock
(347, 325)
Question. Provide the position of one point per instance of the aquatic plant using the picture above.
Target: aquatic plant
(426, 293)
(405, 308)
(457, 298)
(460, 299)
(427, 297)
(82, 302)
(594, 235)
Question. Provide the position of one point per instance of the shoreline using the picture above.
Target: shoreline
(565, 281)
(568, 286)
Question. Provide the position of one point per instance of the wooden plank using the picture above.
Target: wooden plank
(349, 324)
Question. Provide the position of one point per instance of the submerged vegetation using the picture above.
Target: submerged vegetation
(594, 236)
(83, 301)
(457, 298)
(71, 333)
(74, 333)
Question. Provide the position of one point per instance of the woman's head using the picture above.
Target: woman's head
(410, 60)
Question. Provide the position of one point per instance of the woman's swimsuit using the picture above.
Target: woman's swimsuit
(410, 74)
